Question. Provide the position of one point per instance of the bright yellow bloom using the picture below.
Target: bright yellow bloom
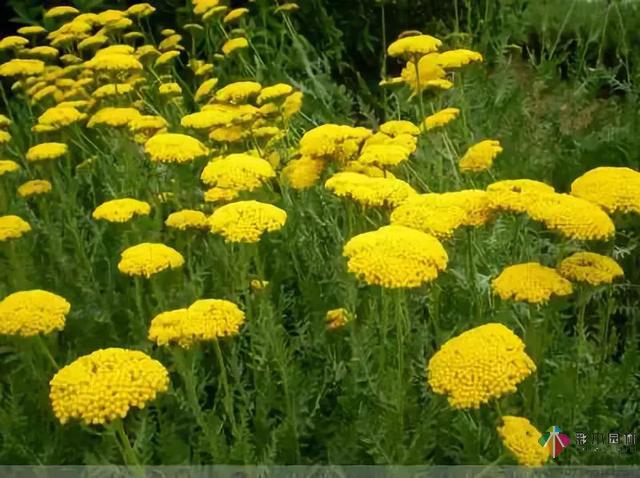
(147, 53)
(4, 121)
(384, 155)
(368, 191)
(591, 268)
(337, 318)
(395, 257)
(478, 365)
(238, 92)
(431, 213)
(104, 385)
(292, 105)
(187, 219)
(172, 42)
(202, 6)
(31, 30)
(480, 156)
(147, 259)
(428, 71)
(234, 44)
(235, 14)
(440, 118)
(113, 117)
(61, 11)
(411, 46)
(220, 195)
(457, 58)
(8, 166)
(230, 134)
(287, 7)
(45, 92)
(35, 187)
(13, 227)
(398, 127)
(174, 148)
(170, 89)
(520, 437)
(530, 282)
(13, 41)
(44, 52)
(60, 116)
(259, 285)
(112, 89)
(215, 12)
(613, 189)
(166, 57)
(121, 210)
(140, 10)
(333, 142)
(516, 195)
(246, 221)
(18, 67)
(32, 312)
(114, 62)
(303, 173)
(274, 92)
(5, 137)
(241, 172)
(572, 217)
(46, 151)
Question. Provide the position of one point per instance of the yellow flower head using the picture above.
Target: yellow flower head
(274, 92)
(140, 10)
(19, 67)
(46, 151)
(572, 217)
(589, 267)
(170, 89)
(241, 172)
(436, 214)
(292, 105)
(516, 195)
(35, 187)
(246, 221)
(146, 126)
(530, 282)
(8, 166)
(303, 173)
(13, 41)
(113, 117)
(187, 219)
(520, 437)
(220, 195)
(5, 137)
(397, 127)
(4, 121)
(166, 57)
(416, 45)
(457, 58)
(61, 11)
(480, 156)
(234, 44)
(440, 118)
(205, 89)
(229, 134)
(430, 74)
(174, 148)
(60, 116)
(259, 285)
(368, 191)
(395, 257)
(202, 6)
(44, 52)
(147, 259)
(238, 92)
(478, 365)
(331, 141)
(13, 227)
(235, 14)
(104, 385)
(32, 312)
(121, 210)
(287, 7)
(384, 155)
(30, 30)
(172, 42)
(613, 189)
(112, 90)
(114, 62)
(338, 318)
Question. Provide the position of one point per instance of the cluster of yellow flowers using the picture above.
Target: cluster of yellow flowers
(13, 227)
(520, 437)
(148, 258)
(530, 282)
(32, 312)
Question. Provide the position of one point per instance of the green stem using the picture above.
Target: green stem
(42, 344)
(228, 397)
(128, 453)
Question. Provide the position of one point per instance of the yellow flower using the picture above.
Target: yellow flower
(147, 53)
(234, 44)
(516, 195)
(572, 217)
(215, 12)
(395, 257)
(480, 156)
(114, 62)
(121, 210)
(112, 89)
(34, 187)
(431, 213)
(220, 195)
(170, 89)
(591, 268)
(241, 172)
(478, 365)
(13, 227)
(292, 105)
(18, 67)
(430, 74)
(440, 118)
(140, 10)
(187, 219)
(174, 148)
(274, 92)
(8, 166)
(384, 155)
(46, 151)
(170, 43)
(60, 116)
(613, 189)
(246, 221)
(31, 30)
(331, 141)
(457, 58)
(368, 191)
(235, 14)
(5, 137)
(520, 437)
(146, 126)
(45, 52)
(230, 134)
(61, 11)
(113, 117)
(45, 92)
(32, 312)
(259, 285)
(166, 57)
(417, 45)
(337, 318)
(238, 92)
(530, 282)
(13, 41)
(398, 127)
(201, 6)
(104, 385)
(147, 259)
(4, 121)
(303, 173)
